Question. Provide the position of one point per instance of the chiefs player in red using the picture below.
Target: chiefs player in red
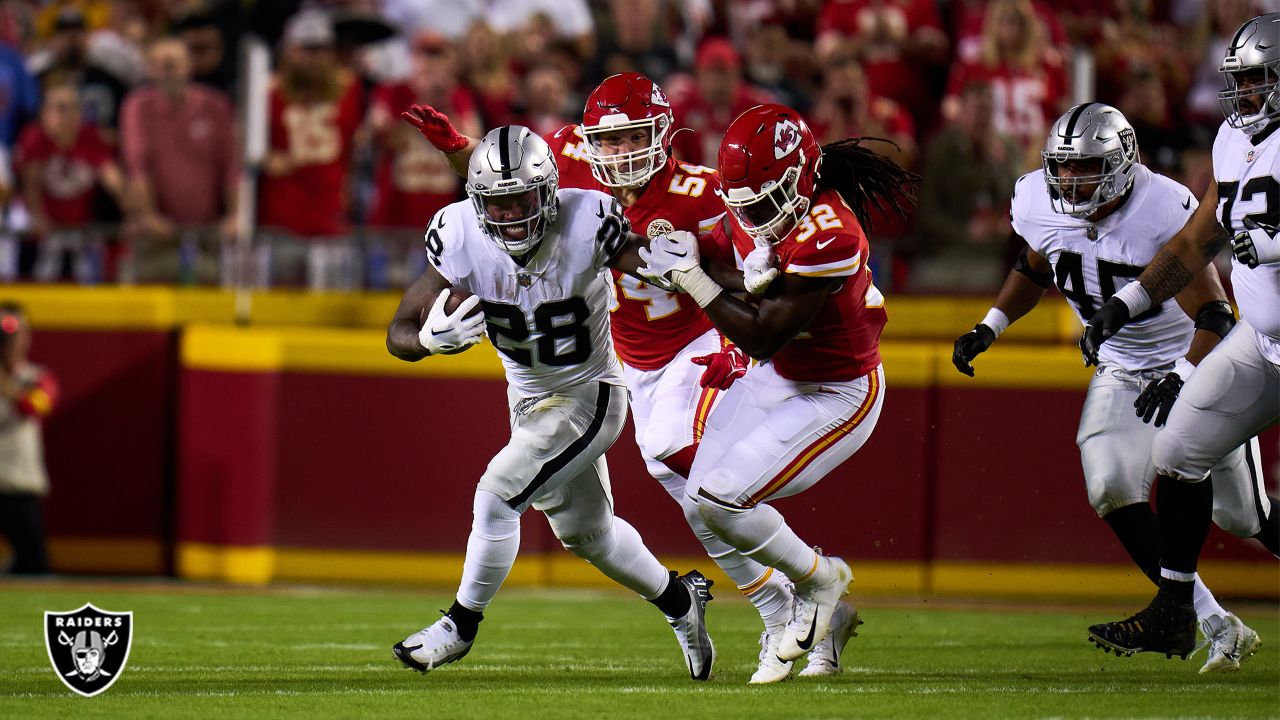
(815, 401)
(623, 147)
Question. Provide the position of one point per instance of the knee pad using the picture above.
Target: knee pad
(587, 543)
(1241, 527)
(661, 439)
(745, 529)
(1171, 459)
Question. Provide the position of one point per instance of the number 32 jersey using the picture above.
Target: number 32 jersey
(548, 320)
(1091, 261)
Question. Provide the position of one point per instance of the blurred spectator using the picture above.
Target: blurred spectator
(9, 246)
(27, 395)
(1027, 78)
(487, 67)
(569, 19)
(180, 153)
(969, 18)
(1136, 41)
(963, 213)
(412, 179)
(315, 110)
(773, 65)
(65, 58)
(546, 101)
(19, 95)
(451, 18)
(62, 161)
(1161, 138)
(95, 14)
(707, 105)
(636, 41)
(206, 36)
(899, 42)
(847, 108)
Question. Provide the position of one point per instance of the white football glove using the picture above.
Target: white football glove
(446, 334)
(1256, 245)
(758, 270)
(668, 254)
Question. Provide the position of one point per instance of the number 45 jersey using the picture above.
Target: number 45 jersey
(548, 320)
(1091, 261)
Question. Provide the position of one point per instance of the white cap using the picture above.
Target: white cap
(309, 28)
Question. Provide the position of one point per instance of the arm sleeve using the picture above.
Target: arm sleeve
(40, 399)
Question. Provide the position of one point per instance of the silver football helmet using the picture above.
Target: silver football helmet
(512, 182)
(1254, 47)
(1088, 131)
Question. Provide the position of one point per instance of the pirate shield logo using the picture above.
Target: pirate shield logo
(88, 647)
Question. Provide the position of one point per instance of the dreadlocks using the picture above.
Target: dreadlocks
(866, 179)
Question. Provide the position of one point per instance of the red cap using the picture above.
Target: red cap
(718, 52)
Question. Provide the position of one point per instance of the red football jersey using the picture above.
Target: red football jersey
(69, 175)
(650, 325)
(843, 341)
(414, 180)
(311, 199)
(1026, 101)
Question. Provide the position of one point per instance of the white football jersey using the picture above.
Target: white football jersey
(549, 320)
(1248, 178)
(1091, 261)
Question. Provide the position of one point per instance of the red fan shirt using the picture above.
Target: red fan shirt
(68, 175)
(650, 325)
(843, 341)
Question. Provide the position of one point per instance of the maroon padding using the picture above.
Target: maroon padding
(230, 423)
(105, 444)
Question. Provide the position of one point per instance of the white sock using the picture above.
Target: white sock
(621, 555)
(1206, 604)
(759, 583)
(491, 550)
(773, 599)
(761, 534)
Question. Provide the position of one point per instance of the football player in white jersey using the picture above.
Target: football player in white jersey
(531, 257)
(1092, 215)
(1235, 391)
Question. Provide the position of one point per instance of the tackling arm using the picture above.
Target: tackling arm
(788, 307)
(440, 132)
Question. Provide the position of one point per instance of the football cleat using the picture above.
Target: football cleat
(1165, 626)
(431, 647)
(816, 601)
(771, 669)
(1230, 641)
(691, 629)
(824, 659)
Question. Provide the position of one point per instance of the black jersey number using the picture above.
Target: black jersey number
(1069, 274)
(557, 321)
(1265, 185)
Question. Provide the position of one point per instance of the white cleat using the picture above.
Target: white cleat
(431, 647)
(691, 630)
(771, 669)
(824, 658)
(816, 601)
(1230, 641)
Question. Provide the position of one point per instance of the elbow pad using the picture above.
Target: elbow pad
(1216, 317)
(1043, 279)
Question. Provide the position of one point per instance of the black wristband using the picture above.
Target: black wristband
(1216, 317)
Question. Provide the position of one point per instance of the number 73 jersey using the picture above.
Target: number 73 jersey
(1091, 261)
(549, 320)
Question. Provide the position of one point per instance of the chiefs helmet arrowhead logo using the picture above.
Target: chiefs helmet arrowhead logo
(658, 97)
(786, 137)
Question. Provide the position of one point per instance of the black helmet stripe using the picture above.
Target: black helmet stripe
(1070, 130)
(504, 151)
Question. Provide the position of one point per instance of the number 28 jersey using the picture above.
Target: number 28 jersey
(650, 325)
(1091, 261)
(548, 320)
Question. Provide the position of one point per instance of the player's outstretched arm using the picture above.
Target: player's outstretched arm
(1022, 290)
(436, 127)
(402, 333)
(1171, 270)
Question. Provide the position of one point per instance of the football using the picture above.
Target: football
(456, 296)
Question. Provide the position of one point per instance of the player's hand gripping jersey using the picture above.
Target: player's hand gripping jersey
(548, 320)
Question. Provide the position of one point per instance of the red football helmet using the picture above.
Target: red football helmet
(768, 163)
(627, 102)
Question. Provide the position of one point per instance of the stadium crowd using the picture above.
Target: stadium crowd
(119, 118)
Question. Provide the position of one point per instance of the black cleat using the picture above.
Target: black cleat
(1164, 626)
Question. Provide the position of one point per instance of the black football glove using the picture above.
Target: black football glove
(970, 345)
(1106, 322)
(1158, 398)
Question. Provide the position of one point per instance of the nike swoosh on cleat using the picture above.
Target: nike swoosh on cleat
(808, 641)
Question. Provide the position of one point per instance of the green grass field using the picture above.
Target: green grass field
(201, 651)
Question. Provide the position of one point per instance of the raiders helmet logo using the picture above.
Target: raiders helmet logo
(659, 227)
(88, 647)
(658, 97)
(1128, 141)
(786, 137)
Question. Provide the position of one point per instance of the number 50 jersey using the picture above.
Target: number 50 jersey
(1091, 261)
(548, 320)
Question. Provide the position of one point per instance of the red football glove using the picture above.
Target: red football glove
(435, 127)
(722, 368)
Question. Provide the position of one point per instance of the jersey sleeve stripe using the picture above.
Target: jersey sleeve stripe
(706, 226)
(840, 267)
